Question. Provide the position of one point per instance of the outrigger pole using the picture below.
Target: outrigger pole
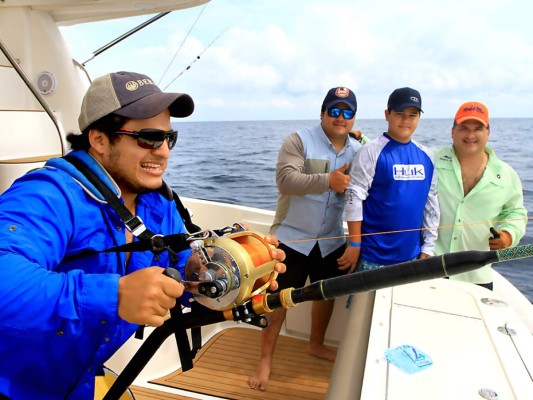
(124, 36)
(387, 276)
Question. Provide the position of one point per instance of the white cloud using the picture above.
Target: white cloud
(277, 60)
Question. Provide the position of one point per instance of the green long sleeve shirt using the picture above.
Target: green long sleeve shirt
(496, 200)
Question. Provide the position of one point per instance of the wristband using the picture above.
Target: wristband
(354, 244)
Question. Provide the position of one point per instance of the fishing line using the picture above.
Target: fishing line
(405, 230)
(234, 22)
(181, 45)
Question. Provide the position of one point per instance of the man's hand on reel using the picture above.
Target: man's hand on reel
(146, 296)
(278, 254)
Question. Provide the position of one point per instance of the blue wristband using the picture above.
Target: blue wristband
(354, 244)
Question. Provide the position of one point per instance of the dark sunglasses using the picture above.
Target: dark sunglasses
(336, 112)
(152, 138)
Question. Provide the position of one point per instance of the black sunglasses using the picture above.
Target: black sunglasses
(336, 112)
(152, 138)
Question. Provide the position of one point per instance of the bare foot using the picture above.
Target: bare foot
(322, 352)
(259, 380)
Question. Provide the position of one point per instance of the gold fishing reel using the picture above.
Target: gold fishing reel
(226, 271)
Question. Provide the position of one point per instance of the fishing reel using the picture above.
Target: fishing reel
(225, 271)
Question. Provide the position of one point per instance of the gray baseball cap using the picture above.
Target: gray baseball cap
(130, 95)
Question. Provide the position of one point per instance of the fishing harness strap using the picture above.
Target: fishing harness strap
(156, 243)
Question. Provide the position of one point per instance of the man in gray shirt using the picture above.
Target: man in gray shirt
(311, 175)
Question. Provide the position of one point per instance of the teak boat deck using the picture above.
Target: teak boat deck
(224, 364)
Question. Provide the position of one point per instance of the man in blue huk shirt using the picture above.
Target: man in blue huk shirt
(65, 308)
(392, 208)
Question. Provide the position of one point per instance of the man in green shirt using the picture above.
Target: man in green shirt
(477, 191)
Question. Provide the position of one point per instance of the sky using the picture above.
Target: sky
(276, 59)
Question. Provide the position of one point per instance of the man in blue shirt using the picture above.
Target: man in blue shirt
(66, 306)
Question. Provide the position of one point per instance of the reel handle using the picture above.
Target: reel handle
(173, 273)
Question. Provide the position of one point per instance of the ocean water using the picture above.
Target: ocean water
(235, 162)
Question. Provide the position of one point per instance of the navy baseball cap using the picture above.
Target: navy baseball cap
(130, 95)
(338, 95)
(403, 98)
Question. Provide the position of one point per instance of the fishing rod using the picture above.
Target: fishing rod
(253, 309)
(124, 36)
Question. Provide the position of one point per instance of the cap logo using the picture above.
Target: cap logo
(475, 109)
(134, 85)
(342, 92)
(415, 99)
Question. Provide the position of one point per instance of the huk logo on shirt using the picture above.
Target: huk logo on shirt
(408, 172)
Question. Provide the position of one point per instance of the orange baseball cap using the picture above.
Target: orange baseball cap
(473, 110)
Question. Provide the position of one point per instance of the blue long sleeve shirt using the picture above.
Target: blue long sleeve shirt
(58, 310)
(393, 190)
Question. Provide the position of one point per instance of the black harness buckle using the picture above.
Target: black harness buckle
(158, 243)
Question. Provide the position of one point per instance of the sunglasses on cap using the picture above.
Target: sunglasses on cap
(152, 138)
(335, 112)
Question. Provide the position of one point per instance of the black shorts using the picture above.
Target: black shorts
(314, 266)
